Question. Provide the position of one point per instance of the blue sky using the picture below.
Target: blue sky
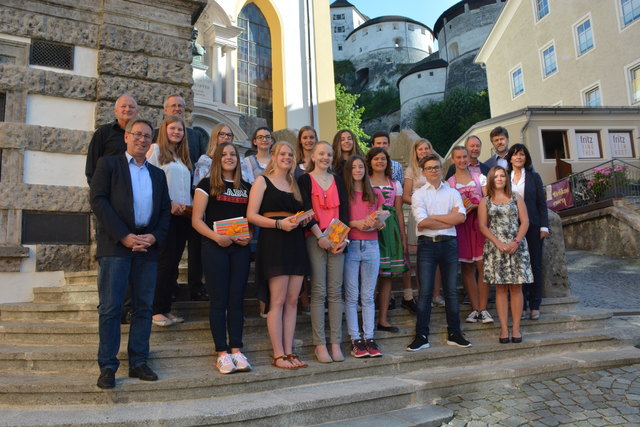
(425, 11)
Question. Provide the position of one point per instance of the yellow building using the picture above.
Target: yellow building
(265, 59)
(563, 53)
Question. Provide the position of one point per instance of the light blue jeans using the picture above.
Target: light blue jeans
(362, 261)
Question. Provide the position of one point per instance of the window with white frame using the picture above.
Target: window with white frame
(542, 8)
(592, 97)
(549, 65)
(584, 37)
(634, 74)
(630, 11)
(338, 16)
(517, 82)
(338, 29)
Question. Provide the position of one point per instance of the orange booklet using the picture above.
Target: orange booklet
(233, 227)
(336, 232)
(302, 215)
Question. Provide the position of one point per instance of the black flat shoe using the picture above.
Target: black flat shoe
(107, 378)
(393, 329)
(143, 372)
(516, 340)
(504, 340)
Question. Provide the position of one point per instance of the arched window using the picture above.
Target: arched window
(255, 91)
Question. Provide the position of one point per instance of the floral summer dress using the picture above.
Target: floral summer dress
(501, 268)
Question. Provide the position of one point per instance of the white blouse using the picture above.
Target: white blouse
(178, 177)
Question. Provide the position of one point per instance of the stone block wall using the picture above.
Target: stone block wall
(142, 48)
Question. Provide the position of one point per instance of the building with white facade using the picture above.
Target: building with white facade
(345, 17)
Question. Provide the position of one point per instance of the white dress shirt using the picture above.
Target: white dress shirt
(427, 201)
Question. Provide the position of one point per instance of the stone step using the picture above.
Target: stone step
(87, 311)
(81, 358)
(422, 415)
(297, 401)
(63, 333)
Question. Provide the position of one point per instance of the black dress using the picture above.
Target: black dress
(279, 253)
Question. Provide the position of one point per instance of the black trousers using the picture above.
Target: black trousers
(169, 258)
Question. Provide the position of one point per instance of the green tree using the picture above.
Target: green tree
(443, 122)
(349, 115)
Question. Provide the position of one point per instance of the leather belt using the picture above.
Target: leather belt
(277, 213)
(436, 239)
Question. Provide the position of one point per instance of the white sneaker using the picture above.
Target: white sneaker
(472, 317)
(439, 301)
(486, 317)
(241, 362)
(225, 364)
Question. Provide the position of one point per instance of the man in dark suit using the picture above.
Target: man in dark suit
(131, 202)
(474, 146)
(499, 137)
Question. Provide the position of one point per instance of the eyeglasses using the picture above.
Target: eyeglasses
(225, 135)
(432, 168)
(139, 135)
(263, 137)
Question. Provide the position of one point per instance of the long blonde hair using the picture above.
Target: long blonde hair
(275, 150)
(213, 139)
(166, 153)
(312, 165)
(217, 182)
(413, 160)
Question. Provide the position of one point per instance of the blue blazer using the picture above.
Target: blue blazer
(536, 200)
(111, 198)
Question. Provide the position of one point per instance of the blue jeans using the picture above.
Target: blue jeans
(226, 271)
(115, 274)
(362, 257)
(430, 256)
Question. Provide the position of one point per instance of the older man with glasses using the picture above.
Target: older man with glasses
(130, 199)
(437, 209)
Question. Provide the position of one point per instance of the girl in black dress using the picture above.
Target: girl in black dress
(281, 257)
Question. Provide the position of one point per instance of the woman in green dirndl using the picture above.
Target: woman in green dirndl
(392, 239)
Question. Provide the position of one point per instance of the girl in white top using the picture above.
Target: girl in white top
(219, 134)
(171, 154)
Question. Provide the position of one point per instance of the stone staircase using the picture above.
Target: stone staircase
(48, 365)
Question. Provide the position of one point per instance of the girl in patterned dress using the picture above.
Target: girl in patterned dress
(392, 239)
(502, 217)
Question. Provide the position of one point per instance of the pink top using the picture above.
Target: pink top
(359, 209)
(326, 204)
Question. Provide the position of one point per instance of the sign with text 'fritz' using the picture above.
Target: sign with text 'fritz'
(588, 144)
(621, 144)
(559, 195)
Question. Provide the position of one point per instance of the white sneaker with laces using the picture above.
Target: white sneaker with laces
(473, 317)
(439, 301)
(486, 317)
(225, 364)
(241, 362)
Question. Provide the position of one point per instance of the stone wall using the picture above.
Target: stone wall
(612, 231)
(142, 48)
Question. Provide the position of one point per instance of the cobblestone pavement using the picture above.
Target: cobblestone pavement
(604, 282)
(607, 397)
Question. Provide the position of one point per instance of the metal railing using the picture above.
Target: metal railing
(610, 180)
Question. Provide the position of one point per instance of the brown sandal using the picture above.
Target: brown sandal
(296, 358)
(284, 357)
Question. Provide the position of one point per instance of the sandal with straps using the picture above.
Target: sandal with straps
(296, 358)
(284, 357)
